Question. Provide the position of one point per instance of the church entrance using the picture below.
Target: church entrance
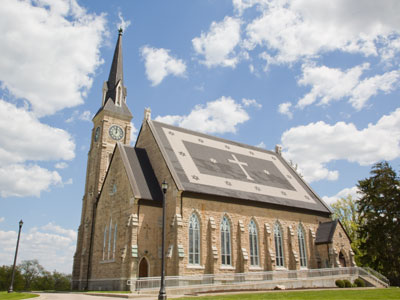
(342, 260)
(143, 268)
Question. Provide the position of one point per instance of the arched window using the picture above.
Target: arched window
(104, 242)
(109, 240)
(278, 246)
(194, 240)
(119, 94)
(225, 242)
(302, 246)
(115, 240)
(253, 240)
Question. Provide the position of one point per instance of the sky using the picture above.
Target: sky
(319, 78)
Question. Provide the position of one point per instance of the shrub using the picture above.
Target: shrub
(359, 282)
(347, 283)
(339, 283)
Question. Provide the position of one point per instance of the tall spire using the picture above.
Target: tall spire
(114, 91)
(116, 72)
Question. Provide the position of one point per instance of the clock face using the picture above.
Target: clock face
(97, 134)
(116, 132)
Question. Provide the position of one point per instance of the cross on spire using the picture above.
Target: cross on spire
(240, 164)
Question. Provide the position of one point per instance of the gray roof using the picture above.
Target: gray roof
(140, 173)
(210, 165)
(325, 232)
(111, 107)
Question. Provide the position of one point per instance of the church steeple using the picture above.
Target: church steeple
(114, 91)
(116, 72)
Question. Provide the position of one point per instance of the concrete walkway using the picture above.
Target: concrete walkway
(79, 296)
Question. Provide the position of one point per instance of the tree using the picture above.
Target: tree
(379, 228)
(44, 282)
(5, 278)
(30, 269)
(346, 211)
(62, 282)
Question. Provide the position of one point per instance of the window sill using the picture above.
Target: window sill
(195, 267)
(107, 261)
(280, 269)
(255, 268)
(227, 268)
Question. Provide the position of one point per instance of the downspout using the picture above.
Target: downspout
(181, 204)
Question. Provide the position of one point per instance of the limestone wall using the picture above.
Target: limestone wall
(211, 212)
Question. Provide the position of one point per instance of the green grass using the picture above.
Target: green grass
(16, 296)
(339, 294)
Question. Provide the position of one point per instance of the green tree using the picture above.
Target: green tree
(379, 228)
(31, 270)
(62, 282)
(44, 282)
(5, 279)
(346, 211)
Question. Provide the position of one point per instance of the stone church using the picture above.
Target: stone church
(230, 207)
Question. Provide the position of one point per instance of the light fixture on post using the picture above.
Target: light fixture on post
(162, 294)
(10, 290)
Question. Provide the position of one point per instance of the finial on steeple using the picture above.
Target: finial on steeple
(120, 31)
(147, 113)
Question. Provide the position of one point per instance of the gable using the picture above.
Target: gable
(206, 164)
(325, 232)
(140, 173)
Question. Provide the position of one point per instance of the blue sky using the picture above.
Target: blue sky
(321, 79)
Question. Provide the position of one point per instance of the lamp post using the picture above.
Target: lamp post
(163, 295)
(10, 290)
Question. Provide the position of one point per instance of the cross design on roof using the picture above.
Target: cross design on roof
(240, 164)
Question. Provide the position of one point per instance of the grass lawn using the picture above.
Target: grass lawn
(16, 296)
(339, 294)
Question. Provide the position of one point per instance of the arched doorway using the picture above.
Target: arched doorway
(342, 260)
(143, 268)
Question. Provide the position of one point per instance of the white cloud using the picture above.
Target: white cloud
(86, 116)
(219, 116)
(314, 145)
(122, 23)
(296, 29)
(160, 64)
(284, 109)
(51, 244)
(251, 102)
(69, 181)
(330, 84)
(35, 142)
(21, 181)
(83, 116)
(25, 138)
(261, 145)
(49, 44)
(342, 194)
(218, 45)
(61, 165)
(2, 219)
(241, 5)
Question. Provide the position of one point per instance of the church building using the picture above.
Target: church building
(230, 207)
